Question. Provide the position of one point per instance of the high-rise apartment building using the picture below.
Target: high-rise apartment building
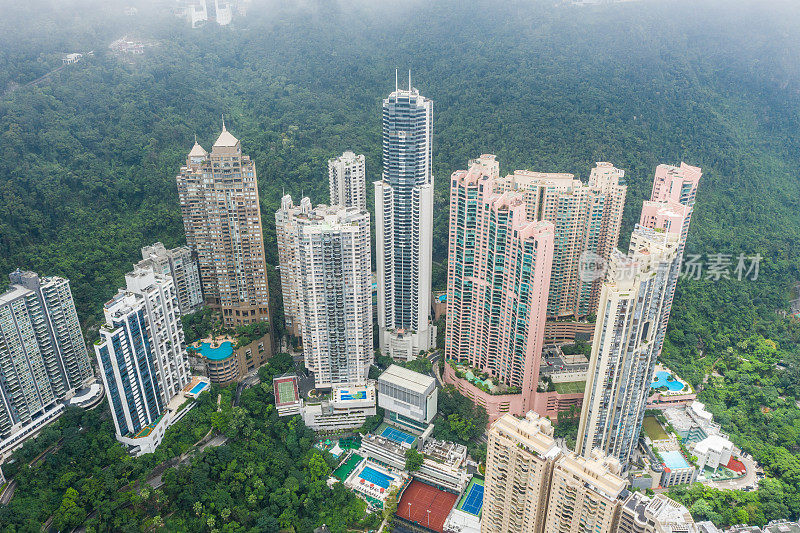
(39, 330)
(222, 219)
(180, 264)
(632, 302)
(670, 209)
(404, 225)
(43, 356)
(68, 364)
(587, 218)
(347, 177)
(326, 257)
(142, 356)
(498, 277)
(288, 220)
(585, 494)
(519, 464)
(533, 486)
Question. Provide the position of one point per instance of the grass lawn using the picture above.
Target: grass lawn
(653, 429)
(570, 387)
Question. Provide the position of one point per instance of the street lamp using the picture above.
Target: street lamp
(429, 518)
(409, 510)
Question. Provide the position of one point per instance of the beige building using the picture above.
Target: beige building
(659, 514)
(587, 219)
(584, 494)
(519, 462)
(533, 486)
(222, 219)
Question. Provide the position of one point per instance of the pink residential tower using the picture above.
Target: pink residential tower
(499, 266)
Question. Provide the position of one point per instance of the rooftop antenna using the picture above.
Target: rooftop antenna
(409, 80)
(396, 86)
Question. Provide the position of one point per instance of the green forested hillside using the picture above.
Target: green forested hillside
(88, 157)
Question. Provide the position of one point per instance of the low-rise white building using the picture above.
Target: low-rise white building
(410, 398)
(349, 407)
(712, 452)
(444, 463)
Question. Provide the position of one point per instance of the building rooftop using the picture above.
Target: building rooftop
(408, 379)
(198, 151)
(13, 293)
(533, 433)
(782, 526)
(445, 452)
(226, 139)
(600, 472)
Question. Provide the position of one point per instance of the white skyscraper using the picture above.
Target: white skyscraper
(287, 219)
(404, 225)
(625, 347)
(142, 357)
(325, 260)
(43, 357)
(347, 177)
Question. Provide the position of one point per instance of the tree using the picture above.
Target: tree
(414, 459)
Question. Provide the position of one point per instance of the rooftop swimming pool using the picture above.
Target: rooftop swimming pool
(661, 381)
(353, 395)
(223, 351)
(674, 460)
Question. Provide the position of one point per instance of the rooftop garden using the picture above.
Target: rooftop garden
(482, 380)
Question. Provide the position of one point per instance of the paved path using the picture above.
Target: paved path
(8, 492)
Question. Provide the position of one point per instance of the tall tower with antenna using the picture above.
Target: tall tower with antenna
(404, 224)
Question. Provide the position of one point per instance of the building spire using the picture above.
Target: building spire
(396, 85)
(409, 80)
(223, 122)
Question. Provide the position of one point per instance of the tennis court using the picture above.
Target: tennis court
(397, 435)
(570, 387)
(472, 500)
(425, 505)
(286, 390)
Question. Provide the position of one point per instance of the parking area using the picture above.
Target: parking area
(553, 362)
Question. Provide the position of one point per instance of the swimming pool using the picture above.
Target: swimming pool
(223, 351)
(200, 387)
(370, 475)
(674, 460)
(357, 395)
(661, 381)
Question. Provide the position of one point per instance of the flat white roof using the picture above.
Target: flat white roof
(413, 381)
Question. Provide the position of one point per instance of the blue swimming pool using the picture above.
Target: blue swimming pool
(358, 395)
(661, 381)
(674, 460)
(370, 475)
(200, 387)
(223, 351)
